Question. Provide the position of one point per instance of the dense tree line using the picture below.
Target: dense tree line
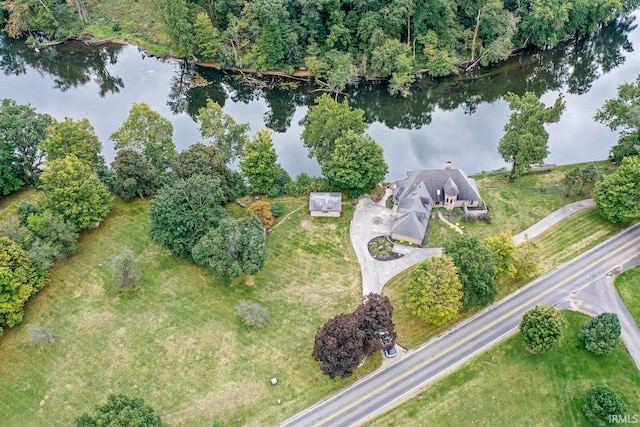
(338, 41)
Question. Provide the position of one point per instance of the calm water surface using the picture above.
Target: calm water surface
(459, 119)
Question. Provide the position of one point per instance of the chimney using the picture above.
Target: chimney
(447, 164)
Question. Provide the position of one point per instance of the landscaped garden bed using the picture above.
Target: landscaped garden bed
(381, 248)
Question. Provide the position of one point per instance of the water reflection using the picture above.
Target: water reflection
(69, 64)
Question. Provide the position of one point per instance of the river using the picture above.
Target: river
(459, 119)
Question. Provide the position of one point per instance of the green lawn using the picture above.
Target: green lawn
(565, 241)
(175, 340)
(628, 286)
(506, 386)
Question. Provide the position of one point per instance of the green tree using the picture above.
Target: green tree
(601, 334)
(147, 132)
(434, 291)
(221, 131)
(19, 281)
(617, 195)
(74, 191)
(73, 137)
(542, 328)
(589, 176)
(135, 175)
(356, 165)
(476, 269)
(234, 247)
(504, 254)
(22, 130)
(207, 160)
(572, 179)
(181, 214)
(125, 274)
(179, 24)
(207, 39)
(339, 345)
(120, 410)
(260, 165)
(544, 23)
(326, 122)
(601, 404)
(525, 140)
(622, 114)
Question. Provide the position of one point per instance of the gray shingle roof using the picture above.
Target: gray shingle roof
(413, 224)
(435, 180)
(325, 202)
(450, 188)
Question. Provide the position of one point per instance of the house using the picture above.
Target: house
(325, 204)
(415, 196)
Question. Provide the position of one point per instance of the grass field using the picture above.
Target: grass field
(175, 340)
(565, 241)
(506, 386)
(628, 286)
(516, 206)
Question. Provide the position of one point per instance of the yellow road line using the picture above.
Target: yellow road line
(473, 335)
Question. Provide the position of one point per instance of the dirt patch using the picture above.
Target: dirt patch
(250, 281)
(377, 220)
(306, 224)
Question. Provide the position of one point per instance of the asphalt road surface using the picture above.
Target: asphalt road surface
(388, 387)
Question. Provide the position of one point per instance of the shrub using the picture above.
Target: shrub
(263, 211)
(120, 410)
(601, 334)
(277, 209)
(600, 404)
(252, 313)
(125, 273)
(41, 336)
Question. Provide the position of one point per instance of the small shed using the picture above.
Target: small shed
(325, 204)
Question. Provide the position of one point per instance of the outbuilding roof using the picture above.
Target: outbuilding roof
(325, 202)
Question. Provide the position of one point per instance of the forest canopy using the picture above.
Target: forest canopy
(336, 41)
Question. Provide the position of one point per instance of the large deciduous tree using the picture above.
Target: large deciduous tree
(207, 160)
(181, 214)
(135, 175)
(476, 269)
(375, 316)
(542, 328)
(121, 410)
(326, 122)
(72, 189)
(234, 247)
(260, 166)
(221, 131)
(601, 334)
(525, 140)
(622, 114)
(149, 133)
(22, 130)
(73, 137)
(339, 345)
(617, 195)
(356, 165)
(434, 291)
(19, 281)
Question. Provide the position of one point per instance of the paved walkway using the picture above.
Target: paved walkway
(371, 220)
(552, 219)
(600, 297)
(443, 219)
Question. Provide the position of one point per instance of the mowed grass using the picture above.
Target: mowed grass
(507, 386)
(175, 340)
(516, 206)
(628, 286)
(568, 239)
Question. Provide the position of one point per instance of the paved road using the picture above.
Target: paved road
(387, 387)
